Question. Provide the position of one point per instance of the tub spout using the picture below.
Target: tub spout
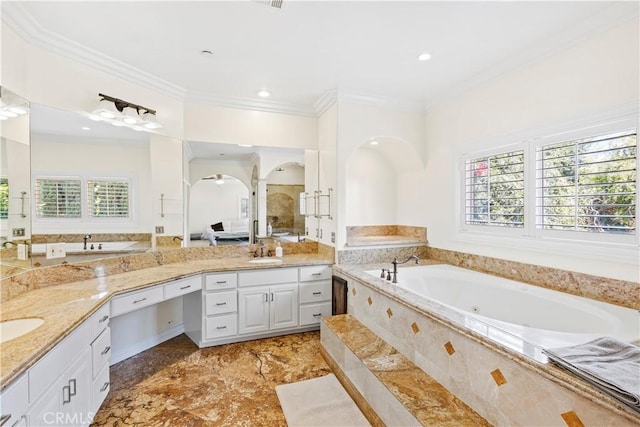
(395, 263)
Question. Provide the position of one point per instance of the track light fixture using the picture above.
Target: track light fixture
(123, 113)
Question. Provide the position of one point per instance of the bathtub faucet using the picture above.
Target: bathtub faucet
(395, 263)
(85, 238)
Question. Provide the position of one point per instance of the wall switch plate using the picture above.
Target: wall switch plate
(17, 232)
(159, 229)
(22, 252)
(56, 250)
(333, 237)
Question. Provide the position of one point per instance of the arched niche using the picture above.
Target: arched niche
(372, 174)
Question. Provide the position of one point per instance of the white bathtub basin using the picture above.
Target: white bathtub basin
(266, 261)
(11, 329)
(78, 248)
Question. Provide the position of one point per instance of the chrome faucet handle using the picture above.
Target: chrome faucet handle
(389, 275)
(382, 273)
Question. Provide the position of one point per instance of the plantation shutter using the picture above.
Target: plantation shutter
(58, 198)
(108, 198)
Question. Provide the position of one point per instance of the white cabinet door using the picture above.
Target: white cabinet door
(283, 302)
(253, 310)
(68, 400)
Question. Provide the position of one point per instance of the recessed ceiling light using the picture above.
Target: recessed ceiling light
(264, 94)
(424, 57)
(374, 143)
(86, 128)
(245, 145)
(206, 53)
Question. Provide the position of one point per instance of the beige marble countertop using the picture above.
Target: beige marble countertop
(64, 307)
(383, 240)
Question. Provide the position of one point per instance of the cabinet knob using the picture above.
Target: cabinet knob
(221, 327)
(317, 293)
(72, 387)
(221, 303)
(105, 386)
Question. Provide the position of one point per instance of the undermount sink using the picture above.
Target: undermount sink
(11, 329)
(266, 261)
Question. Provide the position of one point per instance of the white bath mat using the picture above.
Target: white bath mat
(319, 402)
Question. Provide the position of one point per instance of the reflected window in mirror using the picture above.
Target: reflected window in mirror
(4, 198)
(58, 198)
(108, 198)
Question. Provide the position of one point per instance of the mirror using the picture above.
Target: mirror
(237, 191)
(15, 227)
(91, 186)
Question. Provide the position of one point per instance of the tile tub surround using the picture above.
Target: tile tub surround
(65, 306)
(502, 385)
(399, 392)
(27, 280)
(372, 235)
(619, 292)
(95, 237)
(380, 255)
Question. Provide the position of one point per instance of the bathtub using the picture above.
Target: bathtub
(78, 248)
(512, 312)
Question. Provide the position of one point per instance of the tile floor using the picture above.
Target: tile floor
(178, 384)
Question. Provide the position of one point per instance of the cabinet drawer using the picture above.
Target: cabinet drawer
(315, 272)
(99, 321)
(312, 313)
(47, 369)
(267, 277)
(100, 388)
(136, 300)
(101, 351)
(181, 287)
(14, 401)
(315, 291)
(221, 326)
(214, 282)
(221, 302)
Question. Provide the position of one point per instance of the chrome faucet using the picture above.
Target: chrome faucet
(300, 239)
(395, 263)
(85, 238)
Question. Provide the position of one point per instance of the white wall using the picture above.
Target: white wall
(166, 179)
(211, 203)
(595, 75)
(291, 175)
(53, 156)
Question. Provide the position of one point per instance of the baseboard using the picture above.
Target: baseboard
(121, 354)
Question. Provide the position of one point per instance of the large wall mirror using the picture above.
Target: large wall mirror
(239, 194)
(15, 218)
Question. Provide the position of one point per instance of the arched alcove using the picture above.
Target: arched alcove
(372, 176)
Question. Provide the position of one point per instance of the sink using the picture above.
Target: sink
(266, 261)
(11, 329)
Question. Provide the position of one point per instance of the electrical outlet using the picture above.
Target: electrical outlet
(56, 250)
(333, 237)
(17, 232)
(159, 229)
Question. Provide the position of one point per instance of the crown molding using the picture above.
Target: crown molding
(325, 101)
(249, 104)
(381, 101)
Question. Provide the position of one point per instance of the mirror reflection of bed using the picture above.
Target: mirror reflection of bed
(219, 212)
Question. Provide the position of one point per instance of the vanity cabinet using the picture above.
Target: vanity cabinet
(315, 294)
(14, 402)
(267, 308)
(251, 304)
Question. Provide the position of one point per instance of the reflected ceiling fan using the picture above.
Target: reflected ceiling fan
(218, 178)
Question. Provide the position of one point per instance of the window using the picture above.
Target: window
(588, 184)
(58, 198)
(108, 198)
(4, 198)
(494, 190)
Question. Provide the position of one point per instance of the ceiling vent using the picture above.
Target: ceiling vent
(272, 3)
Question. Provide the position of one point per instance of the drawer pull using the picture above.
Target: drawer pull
(317, 293)
(66, 399)
(221, 282)
(139, 300)
(221, 303)
(104, 318)
(316, 274)
(221, 327)
(4, 419)
(317, 315)
(106, 350)
(185, 287)
(104, 386)
(72, 383)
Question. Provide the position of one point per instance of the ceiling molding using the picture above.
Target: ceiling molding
(249, 104)
(381, 101)
(326, 101)
(18, 19)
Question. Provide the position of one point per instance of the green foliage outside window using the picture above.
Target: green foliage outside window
(4, 198)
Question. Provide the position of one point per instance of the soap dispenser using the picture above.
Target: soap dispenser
(269, 229)
(278, 250)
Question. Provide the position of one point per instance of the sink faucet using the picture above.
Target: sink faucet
(395, 263)
(299, 238)
(85, 238)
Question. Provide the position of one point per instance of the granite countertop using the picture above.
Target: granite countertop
(64, 307)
